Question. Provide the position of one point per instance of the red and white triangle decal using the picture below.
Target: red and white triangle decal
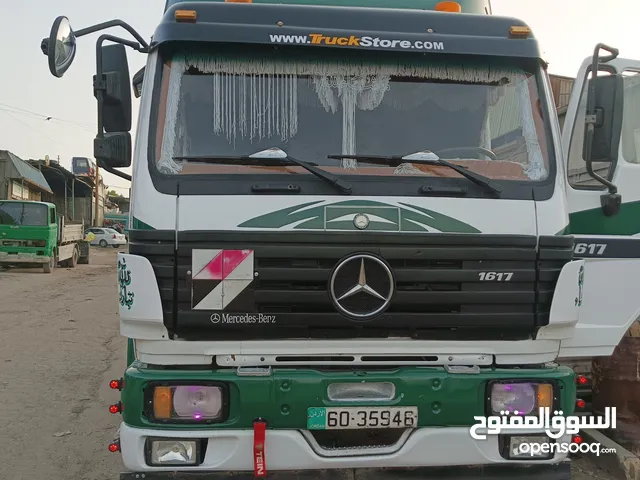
(234, 269)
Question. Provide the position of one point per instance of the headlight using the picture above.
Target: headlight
(173, 452)
(188, 403)
(523, 397)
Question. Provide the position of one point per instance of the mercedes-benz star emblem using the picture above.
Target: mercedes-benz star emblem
(361, 221)
(361, 286)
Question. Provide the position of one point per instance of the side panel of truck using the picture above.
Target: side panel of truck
(609, 244)
(72, 233)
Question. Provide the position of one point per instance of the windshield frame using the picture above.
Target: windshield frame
(363, 185)
(23, 204)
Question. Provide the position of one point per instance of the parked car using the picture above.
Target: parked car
(106, 237)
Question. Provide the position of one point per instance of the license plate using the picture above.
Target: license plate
(352, 418)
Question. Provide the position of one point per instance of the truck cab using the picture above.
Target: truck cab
(352, 236)
(28, 232)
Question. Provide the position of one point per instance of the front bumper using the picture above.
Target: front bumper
(290, 450)
(22, 258)
(112, 243)
(561, 471)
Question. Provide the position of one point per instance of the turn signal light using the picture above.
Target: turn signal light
(545, 395)
(454, 7)
(162, 402)
(186, 15)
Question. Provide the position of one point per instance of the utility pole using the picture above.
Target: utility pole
(95, 218)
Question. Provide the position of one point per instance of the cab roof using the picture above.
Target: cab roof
(48, 204)
(482, 7)
(293, 25)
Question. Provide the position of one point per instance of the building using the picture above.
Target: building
(21, 181)
(73, 194)
(561, 87)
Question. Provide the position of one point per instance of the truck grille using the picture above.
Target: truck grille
(440, 292)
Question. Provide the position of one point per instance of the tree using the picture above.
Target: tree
(112, 193)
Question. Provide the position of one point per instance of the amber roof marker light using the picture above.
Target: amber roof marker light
(519, 31)
(453, 7)
(186, 16)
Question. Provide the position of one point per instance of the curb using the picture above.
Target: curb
(623, 464)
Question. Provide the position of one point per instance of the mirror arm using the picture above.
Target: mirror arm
(612, 188)
(142, 45)
(113, 171)
(591, 114)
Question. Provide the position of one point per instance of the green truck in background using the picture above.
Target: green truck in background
(33, 234)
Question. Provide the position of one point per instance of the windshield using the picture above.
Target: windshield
(485, 117)
(23, 214)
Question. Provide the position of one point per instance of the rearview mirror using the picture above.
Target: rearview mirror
(138, 78)
(60, 47)
(113, 150)
(608, 93)
(116, 92)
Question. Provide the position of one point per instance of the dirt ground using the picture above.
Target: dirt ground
(59, 348)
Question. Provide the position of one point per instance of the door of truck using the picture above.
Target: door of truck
(609, 244)
(60, 228)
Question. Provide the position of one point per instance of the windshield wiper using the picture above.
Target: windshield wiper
(272, 154)
(426, 158)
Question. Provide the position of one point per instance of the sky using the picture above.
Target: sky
(567, 31)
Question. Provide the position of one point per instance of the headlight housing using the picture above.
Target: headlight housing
(174, 452)
(187, 403)
(524, 396)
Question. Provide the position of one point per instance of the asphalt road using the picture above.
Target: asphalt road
(59, 347)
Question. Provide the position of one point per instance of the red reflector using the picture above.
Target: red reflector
(114, 384)
(259, 437)
(114, 447)
(115, 408)
(577, 439)
(582, 380)
(581, 403)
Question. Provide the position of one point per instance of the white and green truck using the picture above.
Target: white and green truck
(355, 226)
